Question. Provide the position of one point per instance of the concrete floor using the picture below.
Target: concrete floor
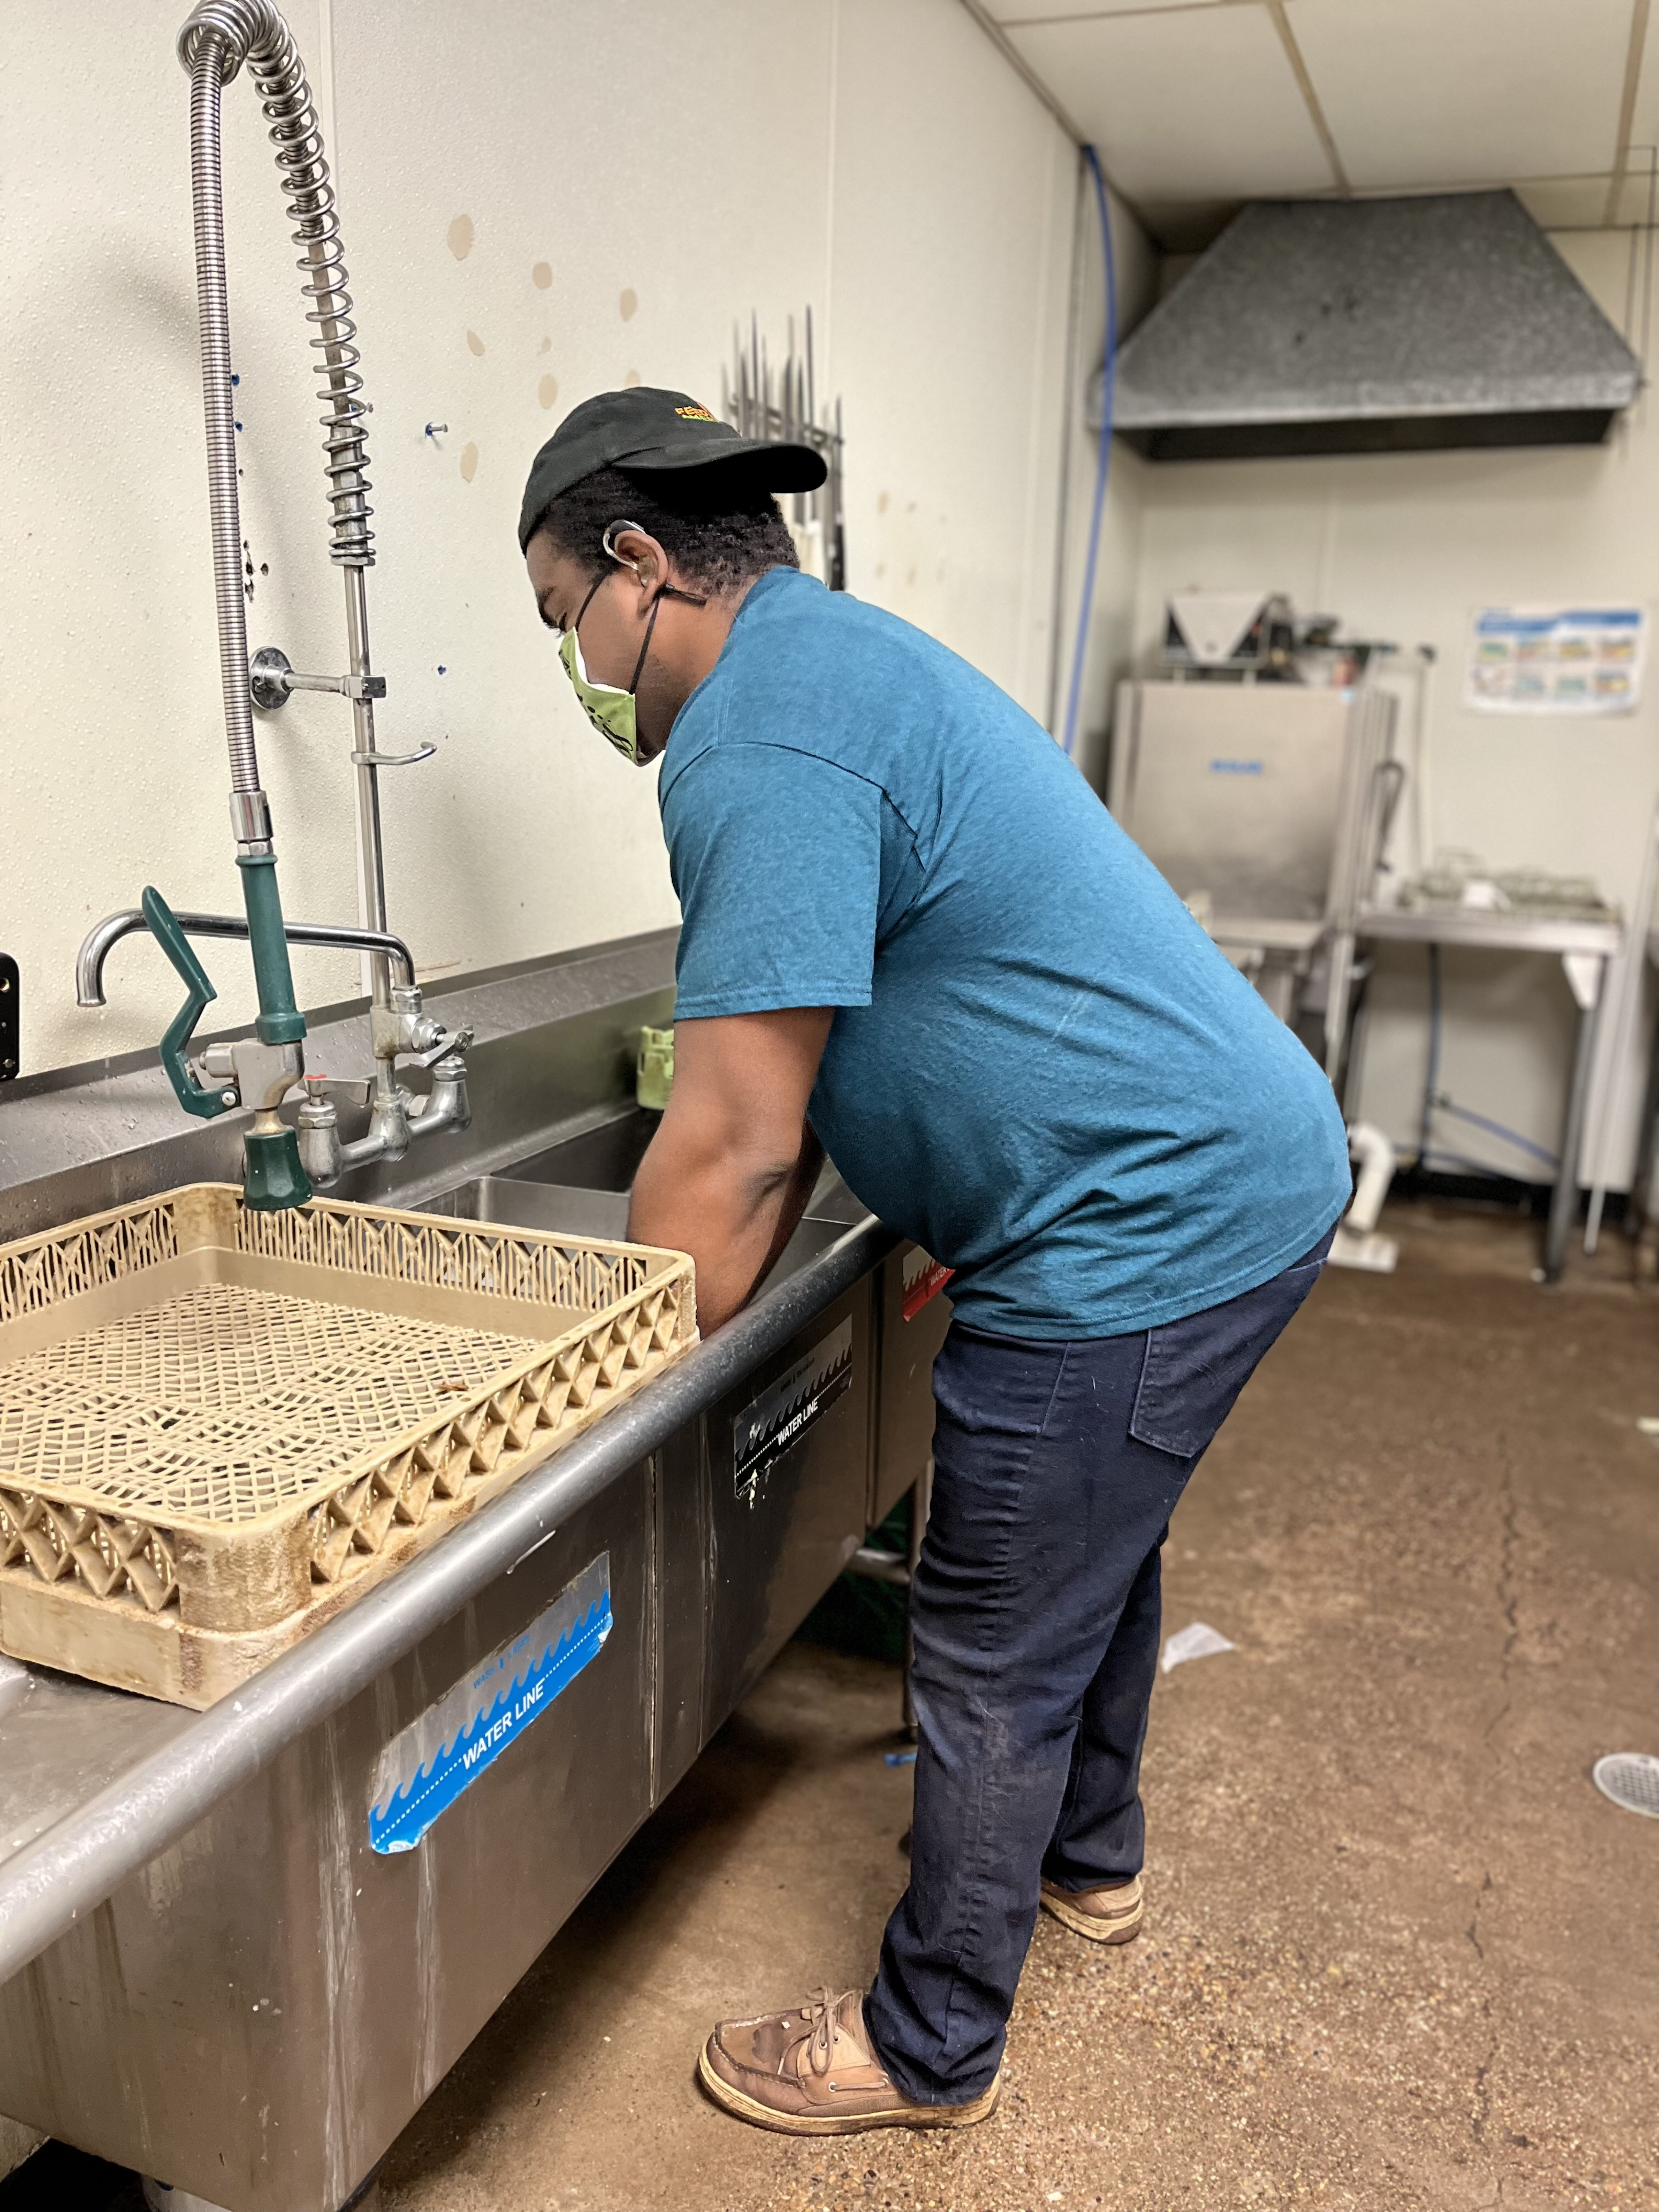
(1399, 1953)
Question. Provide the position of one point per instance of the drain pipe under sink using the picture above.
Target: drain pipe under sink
(1357, 1243)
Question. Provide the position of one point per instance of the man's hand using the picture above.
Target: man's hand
(727, 1174)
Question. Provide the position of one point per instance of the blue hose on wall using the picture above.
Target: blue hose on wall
(1102, 467)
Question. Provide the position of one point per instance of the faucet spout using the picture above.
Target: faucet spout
(104, 936)
(96, 946)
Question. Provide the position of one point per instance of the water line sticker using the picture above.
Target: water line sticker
(776, 1422)
(426, 1766)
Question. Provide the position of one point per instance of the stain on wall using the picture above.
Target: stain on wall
(460, 237)
(628, 305)
(468, 463)
(548, 390)
(474, 344)
(542, 275)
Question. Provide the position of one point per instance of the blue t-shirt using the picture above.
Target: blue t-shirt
(1041, 1068)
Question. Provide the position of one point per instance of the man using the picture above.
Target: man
(912, 935)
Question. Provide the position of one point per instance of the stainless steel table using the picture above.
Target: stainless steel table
(1585, 949)
(1275, 954)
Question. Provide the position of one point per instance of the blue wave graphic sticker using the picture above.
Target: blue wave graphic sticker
(426, 1766)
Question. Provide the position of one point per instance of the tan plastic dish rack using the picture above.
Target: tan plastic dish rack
(219, 1427)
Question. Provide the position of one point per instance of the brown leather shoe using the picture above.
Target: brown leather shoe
(811, 2072)
(1112, 1915)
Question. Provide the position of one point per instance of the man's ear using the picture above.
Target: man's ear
(644, 556)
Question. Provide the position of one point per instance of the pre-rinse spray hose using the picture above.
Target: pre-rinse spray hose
(219, 36)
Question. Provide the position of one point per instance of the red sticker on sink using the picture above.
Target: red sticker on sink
(924, 1278)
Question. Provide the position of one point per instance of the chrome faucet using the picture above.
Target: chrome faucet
(396, 1118)
(103, 937)
(251, 1072)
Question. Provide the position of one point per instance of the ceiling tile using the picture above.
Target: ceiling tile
(1185, 104)
(1084, 11)
(1455, 92)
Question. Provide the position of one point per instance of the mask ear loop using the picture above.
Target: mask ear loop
(576, 626)
(645, 643)
(610, 551)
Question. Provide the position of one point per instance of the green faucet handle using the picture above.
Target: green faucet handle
(166, 931)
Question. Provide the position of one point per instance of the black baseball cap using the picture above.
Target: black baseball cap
(651, 433)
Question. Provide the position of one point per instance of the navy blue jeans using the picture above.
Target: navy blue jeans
(1036, 1618)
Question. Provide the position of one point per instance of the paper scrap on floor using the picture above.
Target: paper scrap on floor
(1200, 1641)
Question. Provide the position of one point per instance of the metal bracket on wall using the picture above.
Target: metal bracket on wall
(8, 1023)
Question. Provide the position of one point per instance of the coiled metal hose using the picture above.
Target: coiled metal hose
(252, 31)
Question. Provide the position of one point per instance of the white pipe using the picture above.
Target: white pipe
(1375, 1155)
(1357, 1243)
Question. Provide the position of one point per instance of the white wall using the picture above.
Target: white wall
(877, 159)
(1405, 547)
(1108, 636)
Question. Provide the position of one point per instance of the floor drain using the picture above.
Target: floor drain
(1631, 1779)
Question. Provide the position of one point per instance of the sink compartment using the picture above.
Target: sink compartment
(554, 1206)
(605, 1158)
(560, 1209)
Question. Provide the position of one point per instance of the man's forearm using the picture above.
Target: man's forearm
(732, 1212)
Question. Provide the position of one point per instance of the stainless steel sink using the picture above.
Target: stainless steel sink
(608, 1159)
(543, 1192)
(603, 1159)
(723, 1517)
(579, 1213)
(581, 1187)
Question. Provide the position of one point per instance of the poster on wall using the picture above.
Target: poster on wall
(1556, 660)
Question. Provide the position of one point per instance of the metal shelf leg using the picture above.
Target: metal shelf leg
(1586, 972)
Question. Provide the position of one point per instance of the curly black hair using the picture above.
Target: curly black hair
(720, 532)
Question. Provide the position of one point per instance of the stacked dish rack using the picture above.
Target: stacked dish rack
(218, 1426)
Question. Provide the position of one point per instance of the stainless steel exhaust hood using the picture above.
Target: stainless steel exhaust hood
(1385, 325)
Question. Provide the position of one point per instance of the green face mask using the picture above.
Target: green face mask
(610, 710)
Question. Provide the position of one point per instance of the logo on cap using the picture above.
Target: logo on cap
(694, 414)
